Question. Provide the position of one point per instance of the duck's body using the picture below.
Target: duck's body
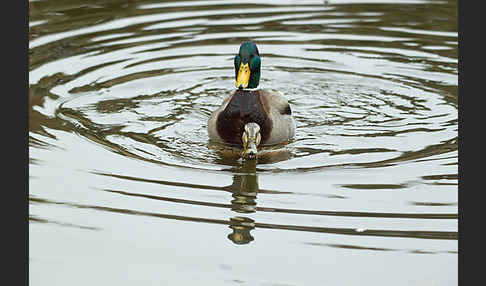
(268, 108)
(249, 116)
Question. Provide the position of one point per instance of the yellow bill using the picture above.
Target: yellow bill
(243, 76)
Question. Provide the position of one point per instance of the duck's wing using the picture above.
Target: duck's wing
(280, 113)
(275, 101)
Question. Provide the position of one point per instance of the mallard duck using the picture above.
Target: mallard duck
(251, 117)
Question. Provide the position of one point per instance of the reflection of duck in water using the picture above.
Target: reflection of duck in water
(245, 189)
(251, 117)
(241, 227)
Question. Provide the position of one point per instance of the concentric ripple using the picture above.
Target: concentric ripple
(151, 80)
(121, 91)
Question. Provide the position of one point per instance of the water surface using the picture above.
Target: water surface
(125, 187)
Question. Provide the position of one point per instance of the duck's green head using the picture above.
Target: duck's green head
(247, 66)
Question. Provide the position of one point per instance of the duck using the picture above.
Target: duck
(251, 117)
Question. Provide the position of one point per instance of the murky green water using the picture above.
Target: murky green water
(125, 189)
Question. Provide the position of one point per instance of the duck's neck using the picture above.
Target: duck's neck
(250, 89)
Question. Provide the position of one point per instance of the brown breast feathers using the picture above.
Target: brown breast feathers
(245, 106)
